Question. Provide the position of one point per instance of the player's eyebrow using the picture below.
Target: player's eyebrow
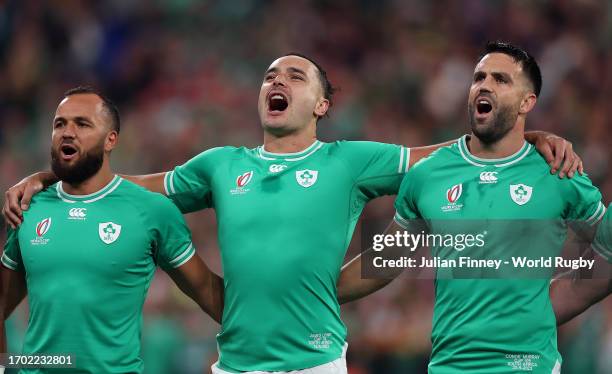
(82, 119)
(502, 75)
(289, 69)
(496, 74)
(296, 70)
(75, 119)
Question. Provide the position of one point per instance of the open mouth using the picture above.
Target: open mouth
(483, 106)
(68, 151)
(277, 102)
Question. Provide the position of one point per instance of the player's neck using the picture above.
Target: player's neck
(290, 143)
(91, 185)
(505, 147)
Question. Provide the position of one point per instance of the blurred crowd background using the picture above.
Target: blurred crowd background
(186, 76)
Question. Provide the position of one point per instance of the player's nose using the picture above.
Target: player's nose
(279, 80)
(484, 89)
(486, 85)
(69, 131)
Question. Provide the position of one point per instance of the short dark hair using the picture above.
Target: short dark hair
(328, 88)
(109, 106)
(519, 55)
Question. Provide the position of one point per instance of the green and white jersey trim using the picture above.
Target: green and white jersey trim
(185, 256)
(8, 262)
(497, 162)
(404, 162)
(68, 198)
(169, 183)
(295, 156)
(598, 215)
(603, 251)
(403, 222)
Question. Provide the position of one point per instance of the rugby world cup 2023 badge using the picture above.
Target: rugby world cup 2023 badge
(241, 181)
(42, 228)
(453, 195)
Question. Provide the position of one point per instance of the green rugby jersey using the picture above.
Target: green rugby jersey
(494, 325)
(284, 224)
(603, 238)
(88, 262)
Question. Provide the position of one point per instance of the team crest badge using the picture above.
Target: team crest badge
(306, 178)
(520, 193)
(109, 232)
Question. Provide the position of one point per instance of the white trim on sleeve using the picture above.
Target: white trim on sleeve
(183, 257)
(400, 220)
(407, 160)
(8, 262)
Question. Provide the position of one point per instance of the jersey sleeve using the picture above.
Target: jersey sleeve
(377, 168)
(603, 239)
(405, 203)
(584, 203)
(189, 185)
(172, 238)
(11, 258)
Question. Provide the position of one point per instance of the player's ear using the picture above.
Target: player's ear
(529, 101)
(112, 138)
(321, 107)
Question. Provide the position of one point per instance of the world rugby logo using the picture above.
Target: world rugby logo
(244, 179)
(43, 226)
(454, 193)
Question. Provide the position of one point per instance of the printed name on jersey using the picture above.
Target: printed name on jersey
(488, 177)
(306, 177)
(241, 181)
(109, 232)
(77, 213)
(275, 168)
(452, 196)
(42, 228)
(520, 193)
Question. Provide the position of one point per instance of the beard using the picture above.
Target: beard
(496, 127)
(83, 168)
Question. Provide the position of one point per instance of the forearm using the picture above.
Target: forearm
(152, 182)
(2, 327)
(533, 136)
(203, 286)
(3, 347)
(351, 286)
(47, 178)
(417, 153)
(211, 299)
(13, 292)
(571, 297)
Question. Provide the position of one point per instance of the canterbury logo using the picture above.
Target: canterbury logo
(77, 213)
(277, 168)
(488, 177)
